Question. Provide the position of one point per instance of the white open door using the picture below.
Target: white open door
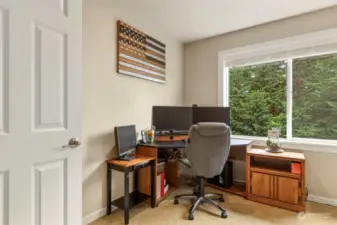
(40, 111)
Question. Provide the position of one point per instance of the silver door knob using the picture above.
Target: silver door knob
(73, 143)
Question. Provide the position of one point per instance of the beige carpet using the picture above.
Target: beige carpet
(239, 210)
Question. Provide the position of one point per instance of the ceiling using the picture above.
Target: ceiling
(190, 20)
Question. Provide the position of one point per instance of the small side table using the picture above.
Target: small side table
(276, 179)
(127, 167)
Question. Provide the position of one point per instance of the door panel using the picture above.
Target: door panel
(287, 190)
(3, 197)
(50, 193)
(50, 80)
(3, 71)
(261, 185)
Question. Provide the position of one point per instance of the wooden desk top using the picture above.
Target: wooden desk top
(140, 159)
(284, 155)
(240, 142)
(182, 144)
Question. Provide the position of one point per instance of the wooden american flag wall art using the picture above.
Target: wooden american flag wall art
(140, 55)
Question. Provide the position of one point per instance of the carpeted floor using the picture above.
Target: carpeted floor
(239, 210)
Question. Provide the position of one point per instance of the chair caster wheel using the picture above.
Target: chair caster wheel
(190, 217)
(224, 215)
(176, 202)
(221, 200)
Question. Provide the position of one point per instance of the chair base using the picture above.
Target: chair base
(201, 197)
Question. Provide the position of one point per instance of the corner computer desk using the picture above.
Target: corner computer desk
(238, 151)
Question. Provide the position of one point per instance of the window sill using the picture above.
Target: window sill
(302, 145)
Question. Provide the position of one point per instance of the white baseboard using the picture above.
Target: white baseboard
(96, 215)
(322, 200)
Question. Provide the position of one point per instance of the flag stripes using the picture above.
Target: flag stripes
(154, 59)
(155, 54)
(140, 65)
(141, 62)
(154, 50)
(140, 55)
(156, 42)
(125, 68)
(149, 45)
(141, 69)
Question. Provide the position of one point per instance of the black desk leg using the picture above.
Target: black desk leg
(108, 190)
(126, 197)
(135, 186)
(153, 191)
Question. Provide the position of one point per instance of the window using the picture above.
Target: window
(315, 97)
(299, 95)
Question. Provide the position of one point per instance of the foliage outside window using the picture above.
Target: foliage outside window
(258, 98)
(315, 97)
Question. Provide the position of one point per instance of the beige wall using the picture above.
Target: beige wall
(201, 77)
(111, 99)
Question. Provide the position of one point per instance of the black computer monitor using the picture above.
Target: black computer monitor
(126, 140)
(172, 118)
(211, 114)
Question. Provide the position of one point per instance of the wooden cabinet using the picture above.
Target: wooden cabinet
(271, 179)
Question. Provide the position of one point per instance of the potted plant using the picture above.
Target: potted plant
(273, 142)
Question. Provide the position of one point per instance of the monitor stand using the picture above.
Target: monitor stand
(126, 157)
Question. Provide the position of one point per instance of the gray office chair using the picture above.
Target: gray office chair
(207, 151)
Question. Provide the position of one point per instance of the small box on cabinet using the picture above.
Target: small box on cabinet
(296, 168)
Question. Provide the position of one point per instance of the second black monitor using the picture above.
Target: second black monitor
(211, 114)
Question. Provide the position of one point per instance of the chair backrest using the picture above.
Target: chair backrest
(208, 148)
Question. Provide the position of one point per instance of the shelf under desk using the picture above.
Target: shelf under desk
(171, 170)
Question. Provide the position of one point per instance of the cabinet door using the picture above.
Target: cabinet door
(262, 185)
(287, 190)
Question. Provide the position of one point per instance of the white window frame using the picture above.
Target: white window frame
(273, 47)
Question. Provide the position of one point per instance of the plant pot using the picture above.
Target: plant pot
(274, 149)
